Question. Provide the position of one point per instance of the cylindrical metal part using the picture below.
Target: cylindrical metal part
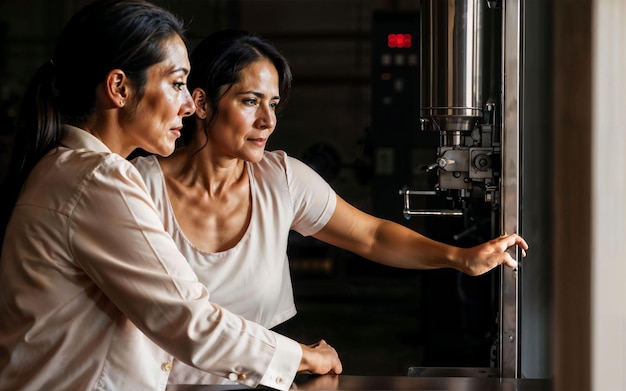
(452, 63)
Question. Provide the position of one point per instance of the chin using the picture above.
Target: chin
(165, 151)
(255, 158)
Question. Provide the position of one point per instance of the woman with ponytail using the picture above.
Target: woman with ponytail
(94, 294)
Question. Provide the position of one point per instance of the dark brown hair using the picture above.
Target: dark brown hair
(104, 35)
(217, 61)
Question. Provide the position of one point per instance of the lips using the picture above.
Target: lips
(258, 141)
(176, 130)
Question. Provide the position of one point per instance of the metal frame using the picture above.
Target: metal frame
(510, 292)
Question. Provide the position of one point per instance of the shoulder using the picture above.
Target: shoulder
(67, 176)
(273, 159)
(280, 161)
(146, 164)
(83, 165)
(111, 169)
(296, 176)
(279, 170)
(272, 165)
(149, 169)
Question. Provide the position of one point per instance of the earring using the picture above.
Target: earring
(121, 103)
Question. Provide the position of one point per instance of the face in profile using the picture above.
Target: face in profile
(156, 121)
(246, 113)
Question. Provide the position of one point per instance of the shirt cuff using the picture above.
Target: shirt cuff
(284, 365)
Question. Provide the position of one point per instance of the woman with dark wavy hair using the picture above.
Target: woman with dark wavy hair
(230, 204)
(94, 294)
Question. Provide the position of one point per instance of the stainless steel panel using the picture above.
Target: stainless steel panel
(509, 299)
(452, 62)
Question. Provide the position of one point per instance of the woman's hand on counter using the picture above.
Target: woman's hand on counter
(320, 358)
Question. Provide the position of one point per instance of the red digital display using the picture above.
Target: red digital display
(399, 41)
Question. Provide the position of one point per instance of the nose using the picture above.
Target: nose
(267, 117)
(188, 107)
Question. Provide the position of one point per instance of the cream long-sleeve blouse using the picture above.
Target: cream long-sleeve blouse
(94, 294)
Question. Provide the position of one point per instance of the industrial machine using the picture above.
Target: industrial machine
(468, 77)
(459, 39)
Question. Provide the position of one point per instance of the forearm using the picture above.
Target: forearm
(390, 244)
(397, 246)
(384, 241)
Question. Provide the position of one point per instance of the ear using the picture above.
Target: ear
(200, 100)
(117, 87)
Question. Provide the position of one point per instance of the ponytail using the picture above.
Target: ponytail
(38, 131)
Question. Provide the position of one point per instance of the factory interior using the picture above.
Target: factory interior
(543, 137)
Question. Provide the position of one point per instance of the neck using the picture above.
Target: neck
(200, 168)
(107, 130)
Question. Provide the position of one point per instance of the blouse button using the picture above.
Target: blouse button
(234, 376)
(166, 367)
(280, 380)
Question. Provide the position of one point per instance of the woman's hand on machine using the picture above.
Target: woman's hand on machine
(484, 257)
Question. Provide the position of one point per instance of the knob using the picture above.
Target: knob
(442, 162)
(482, 161)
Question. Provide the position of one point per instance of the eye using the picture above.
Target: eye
(273, 105)
(250, 101)
(179, 85)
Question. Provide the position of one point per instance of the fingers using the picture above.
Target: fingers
(510, 241)
(515, 240)
(321, 342)
(337, 367)
(509, 261)
(320, 358)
